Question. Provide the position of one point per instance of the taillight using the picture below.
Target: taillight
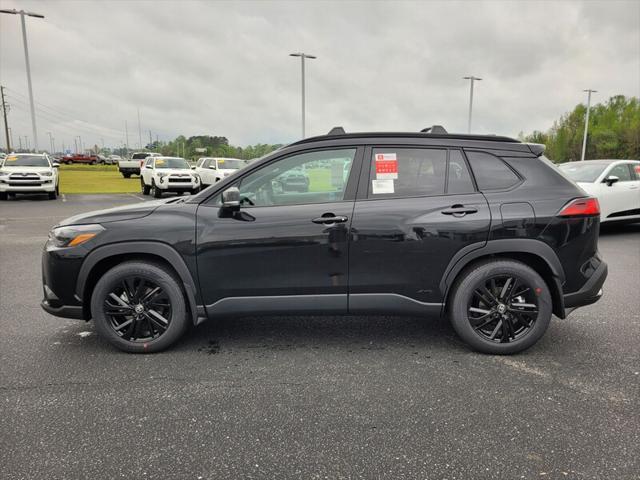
(580, 207)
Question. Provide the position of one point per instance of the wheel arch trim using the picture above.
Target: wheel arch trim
(505, 247)
(158, 249)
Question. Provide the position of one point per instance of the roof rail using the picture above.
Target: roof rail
(336, 131)
(436, 129)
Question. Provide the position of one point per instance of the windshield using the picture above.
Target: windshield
(172, 163)
(140, 156)
(582, 172)
(230, 163)
(26, 161)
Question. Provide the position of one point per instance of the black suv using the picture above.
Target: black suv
(482, 229)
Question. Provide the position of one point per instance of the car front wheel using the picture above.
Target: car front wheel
(500, 306)
(139, 307)
(155, 191)
(145, 188)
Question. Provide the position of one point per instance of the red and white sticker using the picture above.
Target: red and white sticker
(386, 166)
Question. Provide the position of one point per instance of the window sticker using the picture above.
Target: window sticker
(159, 162)
(12, 159)
(380, 186)
(221, 161)
(386, 166)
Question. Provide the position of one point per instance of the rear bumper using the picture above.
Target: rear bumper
(590, 292)
(64, 311)
(129, 170)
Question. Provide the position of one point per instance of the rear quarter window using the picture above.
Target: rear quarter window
(490, 172)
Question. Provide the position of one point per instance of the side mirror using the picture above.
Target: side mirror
(231, 198)
(611, 179)
(55, 165)
(212, 167)
(193, 168)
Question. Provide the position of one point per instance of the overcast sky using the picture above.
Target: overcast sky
(219, 68)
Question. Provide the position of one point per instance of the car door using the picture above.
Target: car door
(416, 208)
(147, 170)
(621, 199)
(283, 251)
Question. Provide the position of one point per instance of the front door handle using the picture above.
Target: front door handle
(330, 218)
(459, 210)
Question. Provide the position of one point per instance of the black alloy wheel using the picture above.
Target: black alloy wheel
(138, 310)
(503, 308)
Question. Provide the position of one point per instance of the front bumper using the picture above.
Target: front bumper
(27, 187)
(590, 292)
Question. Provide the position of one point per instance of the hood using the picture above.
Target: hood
(18, 168)
(116, 214)
(175, 171)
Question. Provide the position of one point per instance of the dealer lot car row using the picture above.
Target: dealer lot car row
(482, 229)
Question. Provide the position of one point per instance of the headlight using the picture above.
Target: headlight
(196, 177)
(74, 235)
(46, 174)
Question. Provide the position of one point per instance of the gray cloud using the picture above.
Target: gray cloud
(223, 68)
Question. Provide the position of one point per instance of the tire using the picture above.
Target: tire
(142, 332)
(126, 175)
(102, 162)
(3, 195)
(527, 313)
(93, 162)
(145, 188)
(53, 195)
(194, 191)
(155, 191)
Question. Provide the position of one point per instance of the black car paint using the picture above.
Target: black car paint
(399, 255)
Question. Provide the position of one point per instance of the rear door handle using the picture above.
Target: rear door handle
(330, 218)
(459, 210)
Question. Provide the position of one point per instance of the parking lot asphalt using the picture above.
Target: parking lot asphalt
(312, 397)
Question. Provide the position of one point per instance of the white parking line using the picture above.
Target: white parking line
(135, 196)
(64, 198)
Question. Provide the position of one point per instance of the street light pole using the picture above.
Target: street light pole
(22, 14)
(302, 58)
(586, 122)
(51, 142)
(473, 79)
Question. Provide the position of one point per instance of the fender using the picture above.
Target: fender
(509, 245)
(154, 248)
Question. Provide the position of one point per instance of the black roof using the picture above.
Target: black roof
(338, 133)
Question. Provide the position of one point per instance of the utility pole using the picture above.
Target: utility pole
(75, 142)
(11, 137)
(139, 132)
(20, 141)
(150, 139)
(51, 142)
(126, 132)
(302, 58)
(473, 79)
(586, 123)
(80, 142)
(22, 14)
(6, 124)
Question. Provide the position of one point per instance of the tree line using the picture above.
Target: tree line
(614, 132)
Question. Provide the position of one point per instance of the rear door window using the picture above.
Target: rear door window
(490, 172)
(458, 177)
(407, 172)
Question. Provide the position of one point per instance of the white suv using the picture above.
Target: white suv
(168, 174)
(212, 170)
(28, 173)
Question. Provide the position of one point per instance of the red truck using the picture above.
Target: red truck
(80, 158)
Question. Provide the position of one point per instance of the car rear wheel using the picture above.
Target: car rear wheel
(126, 175)
(500, 307)
(139, 307)
(53, 195)
(145, 188)
(3, 195)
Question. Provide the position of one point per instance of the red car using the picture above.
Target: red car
(80, 158)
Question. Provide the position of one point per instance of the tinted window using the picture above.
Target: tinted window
(491, 173)
(171, 163)
(620, 171)
(403, 172)
(139, 156)
(26, 161)
(459, 180)
(314, 177)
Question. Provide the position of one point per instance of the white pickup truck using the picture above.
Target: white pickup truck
(132, 166)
